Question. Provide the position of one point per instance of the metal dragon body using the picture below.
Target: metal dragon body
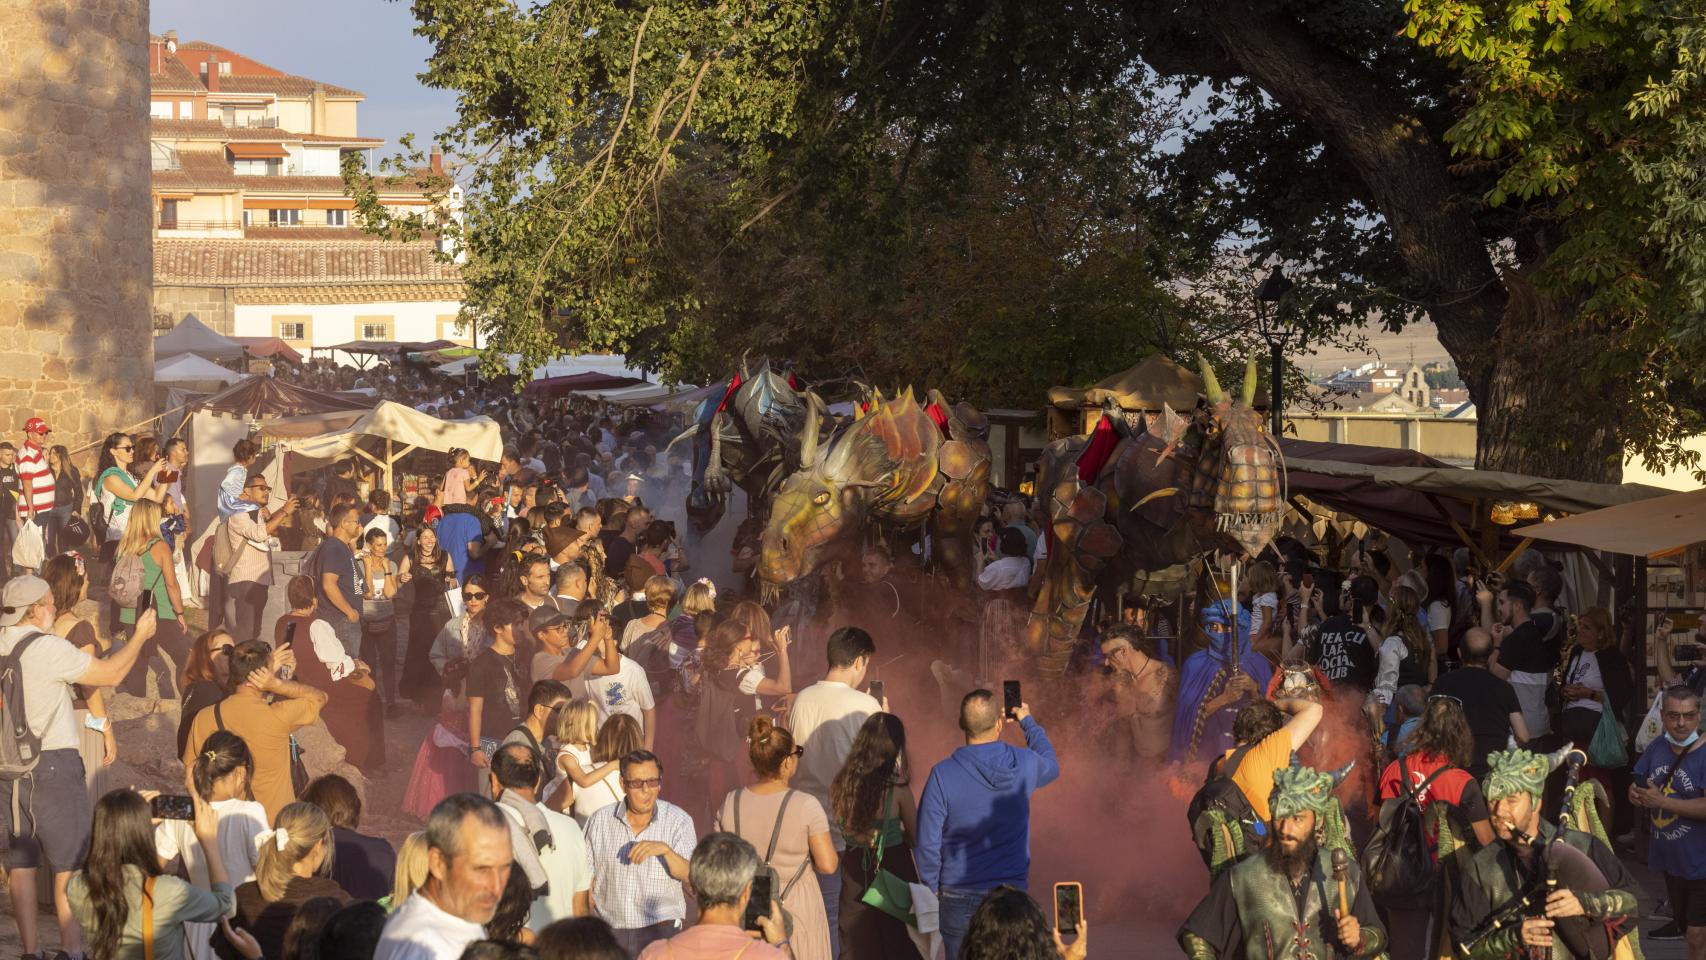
(1121, 500)
(898, 465)
(745, 438)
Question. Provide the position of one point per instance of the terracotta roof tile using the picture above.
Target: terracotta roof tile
(200, 169)
(249, 75)
(409, 292)
(175, 77)
(251, 263)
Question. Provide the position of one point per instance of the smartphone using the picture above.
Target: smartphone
(1308, 579)
(145, 602)
(1685, 653)
(877, 690)
(757, 905)
(172, 806)
(1010, 696)
(1068, 907)
(289, 634)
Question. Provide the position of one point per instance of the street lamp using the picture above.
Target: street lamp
(1273, 330)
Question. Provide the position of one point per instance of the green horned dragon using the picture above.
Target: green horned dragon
(897, 464)
(1120, 500)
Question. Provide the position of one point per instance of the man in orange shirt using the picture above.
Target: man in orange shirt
(1265, 724)
(265, 725)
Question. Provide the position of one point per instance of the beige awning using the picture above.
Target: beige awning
(1646, 528)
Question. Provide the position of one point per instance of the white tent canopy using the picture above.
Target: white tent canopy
(399, 429)
(613, 364)
(189, 368)
(193, 336)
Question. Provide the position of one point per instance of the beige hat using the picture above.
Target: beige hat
(19, 594)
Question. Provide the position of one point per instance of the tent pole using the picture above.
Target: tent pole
(1518, 551)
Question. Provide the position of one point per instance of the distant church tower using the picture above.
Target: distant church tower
(76, 234)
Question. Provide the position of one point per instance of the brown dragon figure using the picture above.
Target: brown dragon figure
(1117, 501)
(897, 464)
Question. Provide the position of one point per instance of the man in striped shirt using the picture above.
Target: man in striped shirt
(36, 499)
(640, 850)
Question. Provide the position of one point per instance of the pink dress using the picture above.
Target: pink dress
(440, 770)
(455, 486)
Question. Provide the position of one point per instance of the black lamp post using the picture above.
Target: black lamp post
(1276, 333)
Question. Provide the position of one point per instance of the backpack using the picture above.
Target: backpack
(722, 721)
(1220, 794)
(125, 588)
(1396, 863)
(20, 747)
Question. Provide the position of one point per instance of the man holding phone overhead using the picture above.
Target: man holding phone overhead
(974, 821)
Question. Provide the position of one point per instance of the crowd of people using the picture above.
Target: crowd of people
(626, 757)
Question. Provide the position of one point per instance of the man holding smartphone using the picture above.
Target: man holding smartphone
(974, 821)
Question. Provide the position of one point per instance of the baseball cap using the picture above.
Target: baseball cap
(545, 617)
(19, 594)
(37, 425)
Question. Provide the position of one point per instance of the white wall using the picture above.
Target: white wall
(336, 323)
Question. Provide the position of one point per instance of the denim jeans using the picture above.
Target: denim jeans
(954, 913)
(830, 885)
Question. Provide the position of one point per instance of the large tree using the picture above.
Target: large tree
(1526, 173)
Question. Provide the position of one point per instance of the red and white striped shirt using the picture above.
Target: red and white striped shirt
(37, 479)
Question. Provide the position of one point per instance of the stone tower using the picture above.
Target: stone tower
(75, 221)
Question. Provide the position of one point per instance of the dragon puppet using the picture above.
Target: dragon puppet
(745, 438)
(897, 464)
(1120, 500)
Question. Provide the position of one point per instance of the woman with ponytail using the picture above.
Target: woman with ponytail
(1407, 653)
(221, 775)
(122, 867)
(295, 857)
(789, 829)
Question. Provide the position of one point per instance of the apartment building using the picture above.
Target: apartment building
(253, 232)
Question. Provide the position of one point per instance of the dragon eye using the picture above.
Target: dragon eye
(821, 498)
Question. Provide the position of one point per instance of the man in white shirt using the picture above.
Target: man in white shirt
(626, 691)
(54, 797)
(468, 863)
(546, 843)
(825, 720)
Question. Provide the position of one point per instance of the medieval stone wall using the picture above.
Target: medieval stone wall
(75, 218)
(213, 306)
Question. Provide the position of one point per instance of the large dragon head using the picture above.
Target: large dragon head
(1245, 465)
(821, 509)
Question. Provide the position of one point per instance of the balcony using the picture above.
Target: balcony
(255, 123)
(180, 227)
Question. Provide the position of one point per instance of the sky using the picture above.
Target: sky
(366, 45)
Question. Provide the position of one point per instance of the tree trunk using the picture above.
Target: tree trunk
(1512, 345)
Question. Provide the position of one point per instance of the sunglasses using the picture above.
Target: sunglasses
(473, 596)
(1445, 696)
(799, 751)
(650, 783)
(125, 448)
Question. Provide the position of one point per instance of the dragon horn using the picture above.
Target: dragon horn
(808, 436)
(1211, 386)
(1250, 380)
(1340, 774)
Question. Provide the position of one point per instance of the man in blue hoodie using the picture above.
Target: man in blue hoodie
(974, 822)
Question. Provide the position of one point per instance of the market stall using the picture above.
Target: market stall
(382, 436)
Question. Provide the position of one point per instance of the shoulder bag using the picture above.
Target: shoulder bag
(887, 892)
(298, 770)
(770, 851)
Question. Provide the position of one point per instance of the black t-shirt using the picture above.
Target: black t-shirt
(617, 550)
(1525, 650)
(1343, 653)
(1488, 703)
(335, 557)
(11, 488)
(496, 680)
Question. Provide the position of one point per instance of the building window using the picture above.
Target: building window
(228, 114)
(292, 330)
(375, 331)
(160, 109)
(269, 167)
(186, 109)
(284, 218)
(168, 214)
(337, 218)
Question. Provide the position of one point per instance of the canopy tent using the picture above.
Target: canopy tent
(688, 398)
(382, 347)
(1155, 381)
(399, 430)
(1645, 528)
(648, 394)
(189, 368)
(270, 348)
(193, 336)
(611, 363)
(265, 397)
(553, 388)
(1421, 500)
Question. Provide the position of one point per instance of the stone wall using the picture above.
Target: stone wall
(75, 224)
(213, 306)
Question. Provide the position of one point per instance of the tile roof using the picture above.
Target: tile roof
(252, 263)
(200, 170)
(249, 75)
(214, 130)
(401, 291)
(175, 77)
(304, 184)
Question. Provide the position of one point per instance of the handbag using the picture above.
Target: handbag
(28, 550)
(75, 533)
(887, 892)
(775, 835)
(1606, 748)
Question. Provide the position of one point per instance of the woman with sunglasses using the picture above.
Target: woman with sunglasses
(203, 679)
(441, 765)
(789, 829)
(115, 491)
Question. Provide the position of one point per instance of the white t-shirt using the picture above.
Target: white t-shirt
(625, 691)
(826, 718)
(1439, 616)
(419, 930)
(590, 800)
(330, 650)
(50, 666)
(1584, 670)
(1006, 573)
(569, 865)
(1262, 611)
(241, 823)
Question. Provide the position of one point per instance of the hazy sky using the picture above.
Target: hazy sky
(366, 45)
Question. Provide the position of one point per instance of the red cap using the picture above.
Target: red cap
(37, 425)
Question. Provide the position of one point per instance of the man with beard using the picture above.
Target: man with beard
(1509, 876)
(1286, 902)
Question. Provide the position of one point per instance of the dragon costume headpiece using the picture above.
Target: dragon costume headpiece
(1519, 771)
(1300, 788)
